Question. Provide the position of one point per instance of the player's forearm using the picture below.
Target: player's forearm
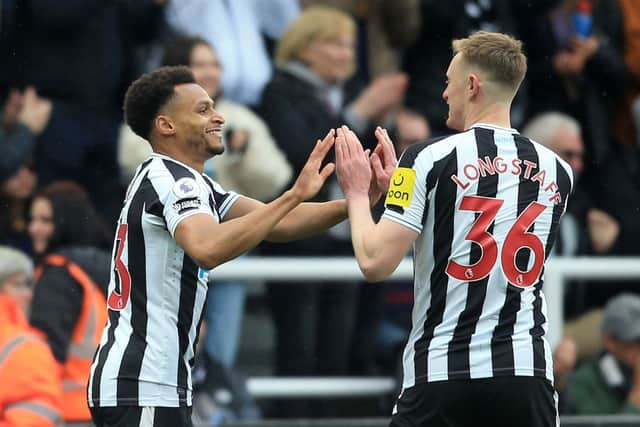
(245, 233)
(309, 219)
(365, 244)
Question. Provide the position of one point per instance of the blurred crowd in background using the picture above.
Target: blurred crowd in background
(282, 73)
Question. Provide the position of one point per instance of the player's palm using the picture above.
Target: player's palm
(313, 175)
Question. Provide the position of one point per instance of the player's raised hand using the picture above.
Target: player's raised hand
(354, 172)
(383, 163)
(313, 175)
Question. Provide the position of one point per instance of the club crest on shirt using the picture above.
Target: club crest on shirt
(401, 187)
(185, 187)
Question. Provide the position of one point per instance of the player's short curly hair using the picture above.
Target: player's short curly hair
(147, 95)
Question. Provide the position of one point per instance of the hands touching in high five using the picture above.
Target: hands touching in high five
(361, 175)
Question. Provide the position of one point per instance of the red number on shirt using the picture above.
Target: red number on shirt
(488, 209)
(118, 301)
(517, 238)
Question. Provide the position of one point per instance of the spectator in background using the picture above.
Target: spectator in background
(615, 189)
(581, 75)
(610, 384)
(30, 388)
(385, 30)
(69, 298)
(252, 164)
(584, 229)
(23, 117)
(563, 135)
(237, 30)
(309, 93)
(80, 56)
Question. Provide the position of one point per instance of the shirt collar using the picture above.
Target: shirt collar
(494, 127)
(165, 157)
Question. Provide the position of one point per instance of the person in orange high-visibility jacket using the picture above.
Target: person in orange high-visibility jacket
(84, 339)
(30, 384)
(69, 303)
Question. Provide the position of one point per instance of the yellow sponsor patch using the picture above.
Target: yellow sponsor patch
(401, 187)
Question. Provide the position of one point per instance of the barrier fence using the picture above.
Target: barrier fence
(568, 421)
(557, 271)
(303, 269)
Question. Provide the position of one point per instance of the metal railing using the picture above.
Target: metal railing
(568, 421)
(303, 387)
(303, 269)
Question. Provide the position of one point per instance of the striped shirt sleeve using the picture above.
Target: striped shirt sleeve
(406, 198)
(186, 197)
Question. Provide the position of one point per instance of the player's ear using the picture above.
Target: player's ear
(165, 125)
(473, 84)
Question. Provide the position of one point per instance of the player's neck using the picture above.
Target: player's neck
(493, 114)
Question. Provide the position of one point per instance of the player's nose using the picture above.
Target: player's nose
(216, 117)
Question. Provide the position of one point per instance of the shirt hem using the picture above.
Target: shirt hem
(506, 372)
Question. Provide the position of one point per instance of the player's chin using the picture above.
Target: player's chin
(454, 124)
(215, 150)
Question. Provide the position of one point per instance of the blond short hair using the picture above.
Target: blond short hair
(498, 55)
(315, 23)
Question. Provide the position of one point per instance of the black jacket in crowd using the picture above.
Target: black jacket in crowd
(57, 297)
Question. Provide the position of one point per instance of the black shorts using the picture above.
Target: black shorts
(137, 416)
(495, 402)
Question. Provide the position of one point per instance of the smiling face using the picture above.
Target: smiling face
(206, 68)
(455, 94)
(41, 225)
(197, 125)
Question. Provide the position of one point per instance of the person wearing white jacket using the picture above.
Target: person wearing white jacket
(236, 29)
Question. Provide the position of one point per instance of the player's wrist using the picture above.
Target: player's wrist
(358, 198)
(293, 196)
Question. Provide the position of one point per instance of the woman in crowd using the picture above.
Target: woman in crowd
(312, 91)
(69, 303)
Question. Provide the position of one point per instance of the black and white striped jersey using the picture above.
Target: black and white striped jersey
(486, 204)
(157, 292)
